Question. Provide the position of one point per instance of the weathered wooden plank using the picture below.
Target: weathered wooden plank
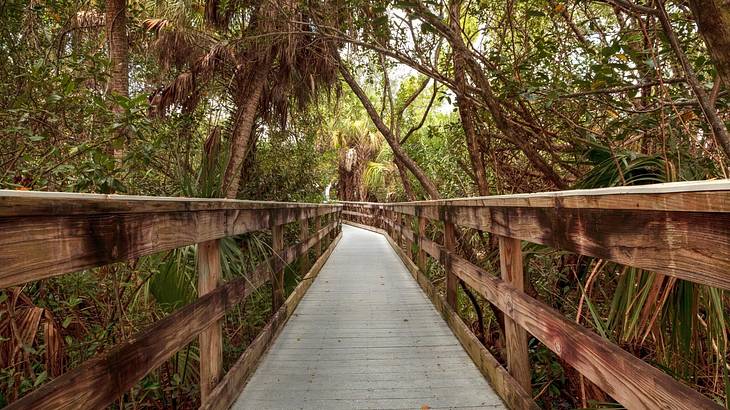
(503, 383)
(357, 214)
(409, 240)
(421, 257)
(698, 196)
(233, 382)
(303, 235)
(38, 247)
(277, 266)
(627, 379)
(606, 363)
(34, 203)
(210, 339)
(101, 380)
(317, 227)
(694, 246)
(510, 262)
(451, 279)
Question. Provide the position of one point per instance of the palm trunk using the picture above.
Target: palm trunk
(242, 132)
(398, 151)
(116, 28)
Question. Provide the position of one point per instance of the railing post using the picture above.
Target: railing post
(210, 339)
(391, 218)
(303, 236)
(421, 260)
(277, 271)
(510, 261)
(409, 243)
(451, 279)
(317, 227)
(338, 230)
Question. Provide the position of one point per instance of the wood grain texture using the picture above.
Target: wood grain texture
(421, 257)
(35, 203)
(699, 196)
(451, 279)
(37, 247)
(101, 380)
(510, 262)
(687, 238)
(694, 246)
(624, 377)
(277, 267)
(303, 235)
(210, 339)
(317, 227)
(357, 214)
(233, 382)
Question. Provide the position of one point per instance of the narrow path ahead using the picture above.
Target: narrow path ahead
(365, 337)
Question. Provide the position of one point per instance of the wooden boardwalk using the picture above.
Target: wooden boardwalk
(365, 336)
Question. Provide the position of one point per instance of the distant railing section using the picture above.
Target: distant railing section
(680, 229)
(48, 234)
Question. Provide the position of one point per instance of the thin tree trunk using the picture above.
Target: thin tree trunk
(713, 20)
(403, 172)
(116, 29)
(466, 108)
(398, 151)
(512, 131)
(242, 131)
(718, 127)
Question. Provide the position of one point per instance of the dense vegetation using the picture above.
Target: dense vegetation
(362, 100)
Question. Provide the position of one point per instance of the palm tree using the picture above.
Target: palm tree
(357, 147)
(116, 29)
(264, 56)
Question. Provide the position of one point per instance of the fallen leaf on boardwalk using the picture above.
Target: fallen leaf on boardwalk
(425, 407)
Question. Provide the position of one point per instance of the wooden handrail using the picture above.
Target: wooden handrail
(682, 230)
(49, 234)
(678, 229)
(46, 235)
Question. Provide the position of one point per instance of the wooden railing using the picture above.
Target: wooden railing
(680, 229)
(48, 234)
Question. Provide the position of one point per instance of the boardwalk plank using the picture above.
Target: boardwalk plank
(365, 336)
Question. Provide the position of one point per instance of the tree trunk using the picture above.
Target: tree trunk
(403, 173)
(116, 29)
(512, 131)
(466, 108)
(719, 130)
(398, 151)
(242, 131)
(713, 20)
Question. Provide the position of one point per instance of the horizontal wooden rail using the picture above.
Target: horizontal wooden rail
(679, 229)
(503, 383)
(45, 235)
(101, 380)
(232, 384)
(49, 234)
(682, 230)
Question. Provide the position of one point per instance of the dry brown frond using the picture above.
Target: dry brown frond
(20, 324)
(155, 25)
(87, 19)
